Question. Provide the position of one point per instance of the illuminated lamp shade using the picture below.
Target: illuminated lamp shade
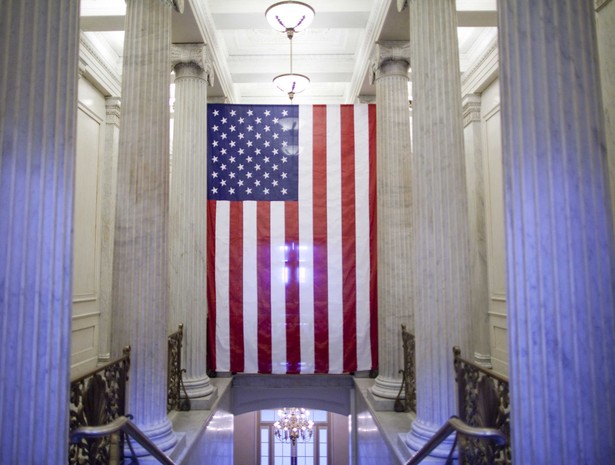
(291, 83)
(290, 16)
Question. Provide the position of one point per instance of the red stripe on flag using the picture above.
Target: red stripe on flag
(236, 286)
(293, 333)
(211, 284)
(263, 260)
(372, 236)
(321, 292)
(349, 240)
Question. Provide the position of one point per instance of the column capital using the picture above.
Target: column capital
(387, 53)
(112, 106)
(195, 55)
(178, 5)
(471, 109)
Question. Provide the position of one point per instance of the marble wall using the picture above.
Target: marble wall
(494, 215)
(87, 231)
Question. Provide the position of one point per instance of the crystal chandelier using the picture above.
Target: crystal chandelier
(293, 422)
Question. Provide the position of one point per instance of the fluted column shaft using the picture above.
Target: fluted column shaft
(394, 199)
(477, 231)
(441, 285)
(140, 253)
(108, 179)
(560, 254)
(187, 207)
(39, 43)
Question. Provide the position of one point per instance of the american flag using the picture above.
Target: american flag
(291, 238)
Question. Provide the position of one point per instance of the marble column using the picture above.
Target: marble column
(108, 179)
(560, 253)
(441, 284)
(390, 74)
(479, 279)
(605, 25)
(141, 223)
(39, 49)
(187, 216)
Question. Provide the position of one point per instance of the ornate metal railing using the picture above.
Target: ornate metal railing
(98, 398)
(124, 425)
(454, 424)
(175, 384)
(484, 402)
(408, 404)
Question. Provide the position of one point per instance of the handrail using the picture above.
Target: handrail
(121, 424)
(454, 423)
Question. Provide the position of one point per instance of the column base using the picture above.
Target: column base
(161, 434)
(420, 433)
(383, 393)
(198, 387)
(201, 392)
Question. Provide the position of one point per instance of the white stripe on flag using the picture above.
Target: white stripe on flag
(223, 341)
(279, 277)
(306, 239)
(334, 239)
(361, 126)
(250, 288)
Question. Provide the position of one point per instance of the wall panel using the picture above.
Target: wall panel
(494, 205)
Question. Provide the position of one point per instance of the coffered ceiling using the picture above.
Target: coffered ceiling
(333, 52)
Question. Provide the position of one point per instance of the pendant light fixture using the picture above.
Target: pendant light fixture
(290, 17)
(291, 83)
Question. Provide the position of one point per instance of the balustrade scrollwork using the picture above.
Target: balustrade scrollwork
(484, 401)
(408, 403)
(175, 384)
(98, 398)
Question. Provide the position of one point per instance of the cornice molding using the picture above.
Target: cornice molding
(94, 67)
(482, 71)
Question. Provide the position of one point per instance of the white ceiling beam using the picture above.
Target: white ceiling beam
(364, 51)
(215, 47)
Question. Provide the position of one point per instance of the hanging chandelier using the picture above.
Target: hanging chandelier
(291, 83)
(290, 17)
(294, 422)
